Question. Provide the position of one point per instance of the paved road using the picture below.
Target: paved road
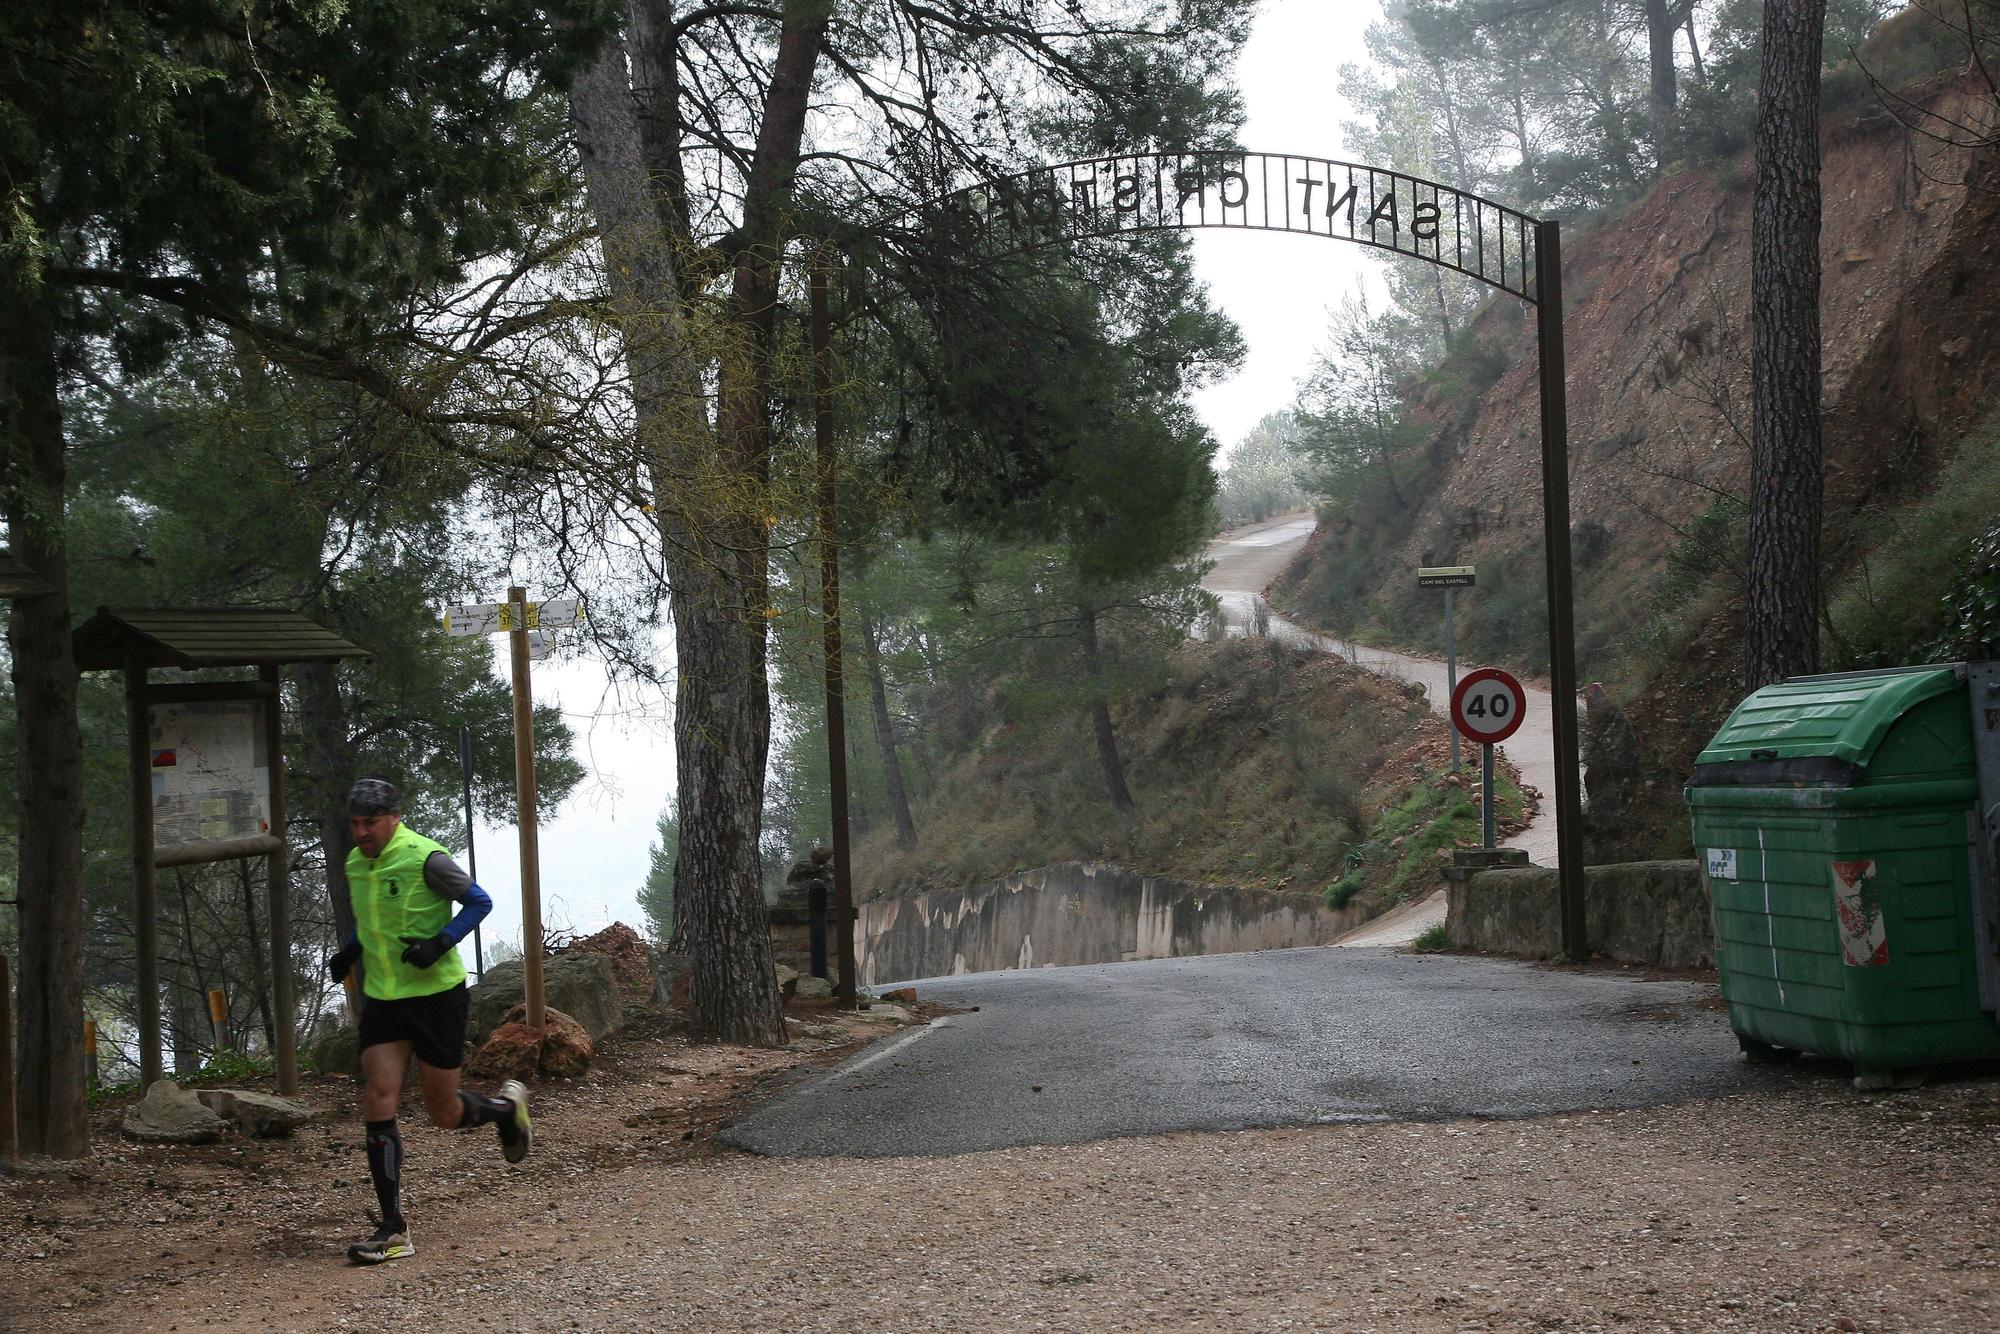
(1276, 1038)
(1245, 560)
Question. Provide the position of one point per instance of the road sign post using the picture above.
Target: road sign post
(526, 625)
(1487, 707)
(1450, 578)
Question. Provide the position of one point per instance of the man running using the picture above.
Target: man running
(403, 887)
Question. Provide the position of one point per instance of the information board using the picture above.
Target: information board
(211, 776)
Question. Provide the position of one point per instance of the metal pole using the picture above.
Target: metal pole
(829, 583)
(1451, 670)
(524, 787)
(471, 854)
(10, 1136)
(1562, 628)
(1486, 795)
(278, 884)
(90, 1079)
(145, 888)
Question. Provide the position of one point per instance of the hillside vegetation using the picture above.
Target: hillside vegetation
(1659, 404)
(1252, 764)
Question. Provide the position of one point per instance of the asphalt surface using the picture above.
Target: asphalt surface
(1277, 1038)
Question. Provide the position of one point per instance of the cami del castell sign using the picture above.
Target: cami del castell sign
(1280, 192)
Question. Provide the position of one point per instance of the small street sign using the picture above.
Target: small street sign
(488, 618)
(1487, 706)
(1447, 576)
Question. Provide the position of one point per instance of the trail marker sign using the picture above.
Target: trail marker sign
(1447, 576)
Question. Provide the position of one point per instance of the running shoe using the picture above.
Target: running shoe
(517, 1132)
(388, 1243)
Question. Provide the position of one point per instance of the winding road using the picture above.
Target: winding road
(1245, 560)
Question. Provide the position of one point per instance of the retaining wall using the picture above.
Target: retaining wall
(1081, 912)
(1640, 912)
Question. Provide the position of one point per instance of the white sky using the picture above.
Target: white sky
(1278, 289)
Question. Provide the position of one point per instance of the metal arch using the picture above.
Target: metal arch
(1279, 192)
(1497, 245)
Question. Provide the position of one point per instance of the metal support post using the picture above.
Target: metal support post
(1451, 674)
(1562, 628)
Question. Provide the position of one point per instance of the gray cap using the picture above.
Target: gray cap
(373, 796)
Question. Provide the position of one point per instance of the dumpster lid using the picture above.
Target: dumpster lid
(1839, 717)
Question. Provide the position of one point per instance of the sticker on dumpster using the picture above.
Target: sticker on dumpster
(1722, 863)
(1862, 938)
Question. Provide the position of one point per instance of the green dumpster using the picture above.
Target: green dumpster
(1849, 854)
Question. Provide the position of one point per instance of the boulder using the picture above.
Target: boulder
(514, 1051)
(169, 1114)
(670, 979)
(566, 1049)
(563, 1050)
(582, 986)
(629, 955)
(894, 1014)
(788, 979)
(338, 1051)
(258, 1115)
(813, 988)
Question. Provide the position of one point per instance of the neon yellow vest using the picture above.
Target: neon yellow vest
(391, 901)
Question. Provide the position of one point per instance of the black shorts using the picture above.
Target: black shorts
(433, 1025)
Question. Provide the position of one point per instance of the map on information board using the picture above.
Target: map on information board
(211, 779)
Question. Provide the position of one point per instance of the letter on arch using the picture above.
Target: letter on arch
(1386, 208)
(1424, 221)
(1125, 194)
(1242, 183)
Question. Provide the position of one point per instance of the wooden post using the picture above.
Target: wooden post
(278, 884)
(524, 787)
(218, 1017)
(10, 1135)
(145, 888)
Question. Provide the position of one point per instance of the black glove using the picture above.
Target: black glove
(423, 951)
(342, 963)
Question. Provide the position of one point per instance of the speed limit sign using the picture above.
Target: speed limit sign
(1487, 706)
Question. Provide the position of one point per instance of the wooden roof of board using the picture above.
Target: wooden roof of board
(191, 637)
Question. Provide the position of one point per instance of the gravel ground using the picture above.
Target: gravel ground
(1814, 1208)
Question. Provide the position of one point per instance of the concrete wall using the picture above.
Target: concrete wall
(1080, 912)
(1642, 912)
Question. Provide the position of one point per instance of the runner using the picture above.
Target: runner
(402, 886)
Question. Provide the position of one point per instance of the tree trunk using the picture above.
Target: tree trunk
(323, 719)
(885, 729)
(1786, 479)
(710, 490)
(1100, 710)
(1662, 18)
(51, 1092)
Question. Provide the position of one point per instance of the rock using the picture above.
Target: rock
(169, 1114)
(670, 979)
(813, 988)
(629, 955)
(566, 1048)
(258, 1115)
(581, 985)
(563, 1050)
(338, 1052)
(788, 979)
(906, 994)
(894, 1014)
(514, 1051)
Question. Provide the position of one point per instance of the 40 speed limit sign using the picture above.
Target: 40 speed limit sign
(1487, 706)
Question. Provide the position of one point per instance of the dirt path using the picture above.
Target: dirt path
(1812, 1209)
(1246, 560)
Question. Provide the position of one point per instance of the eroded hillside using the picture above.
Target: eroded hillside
(1658, 342)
